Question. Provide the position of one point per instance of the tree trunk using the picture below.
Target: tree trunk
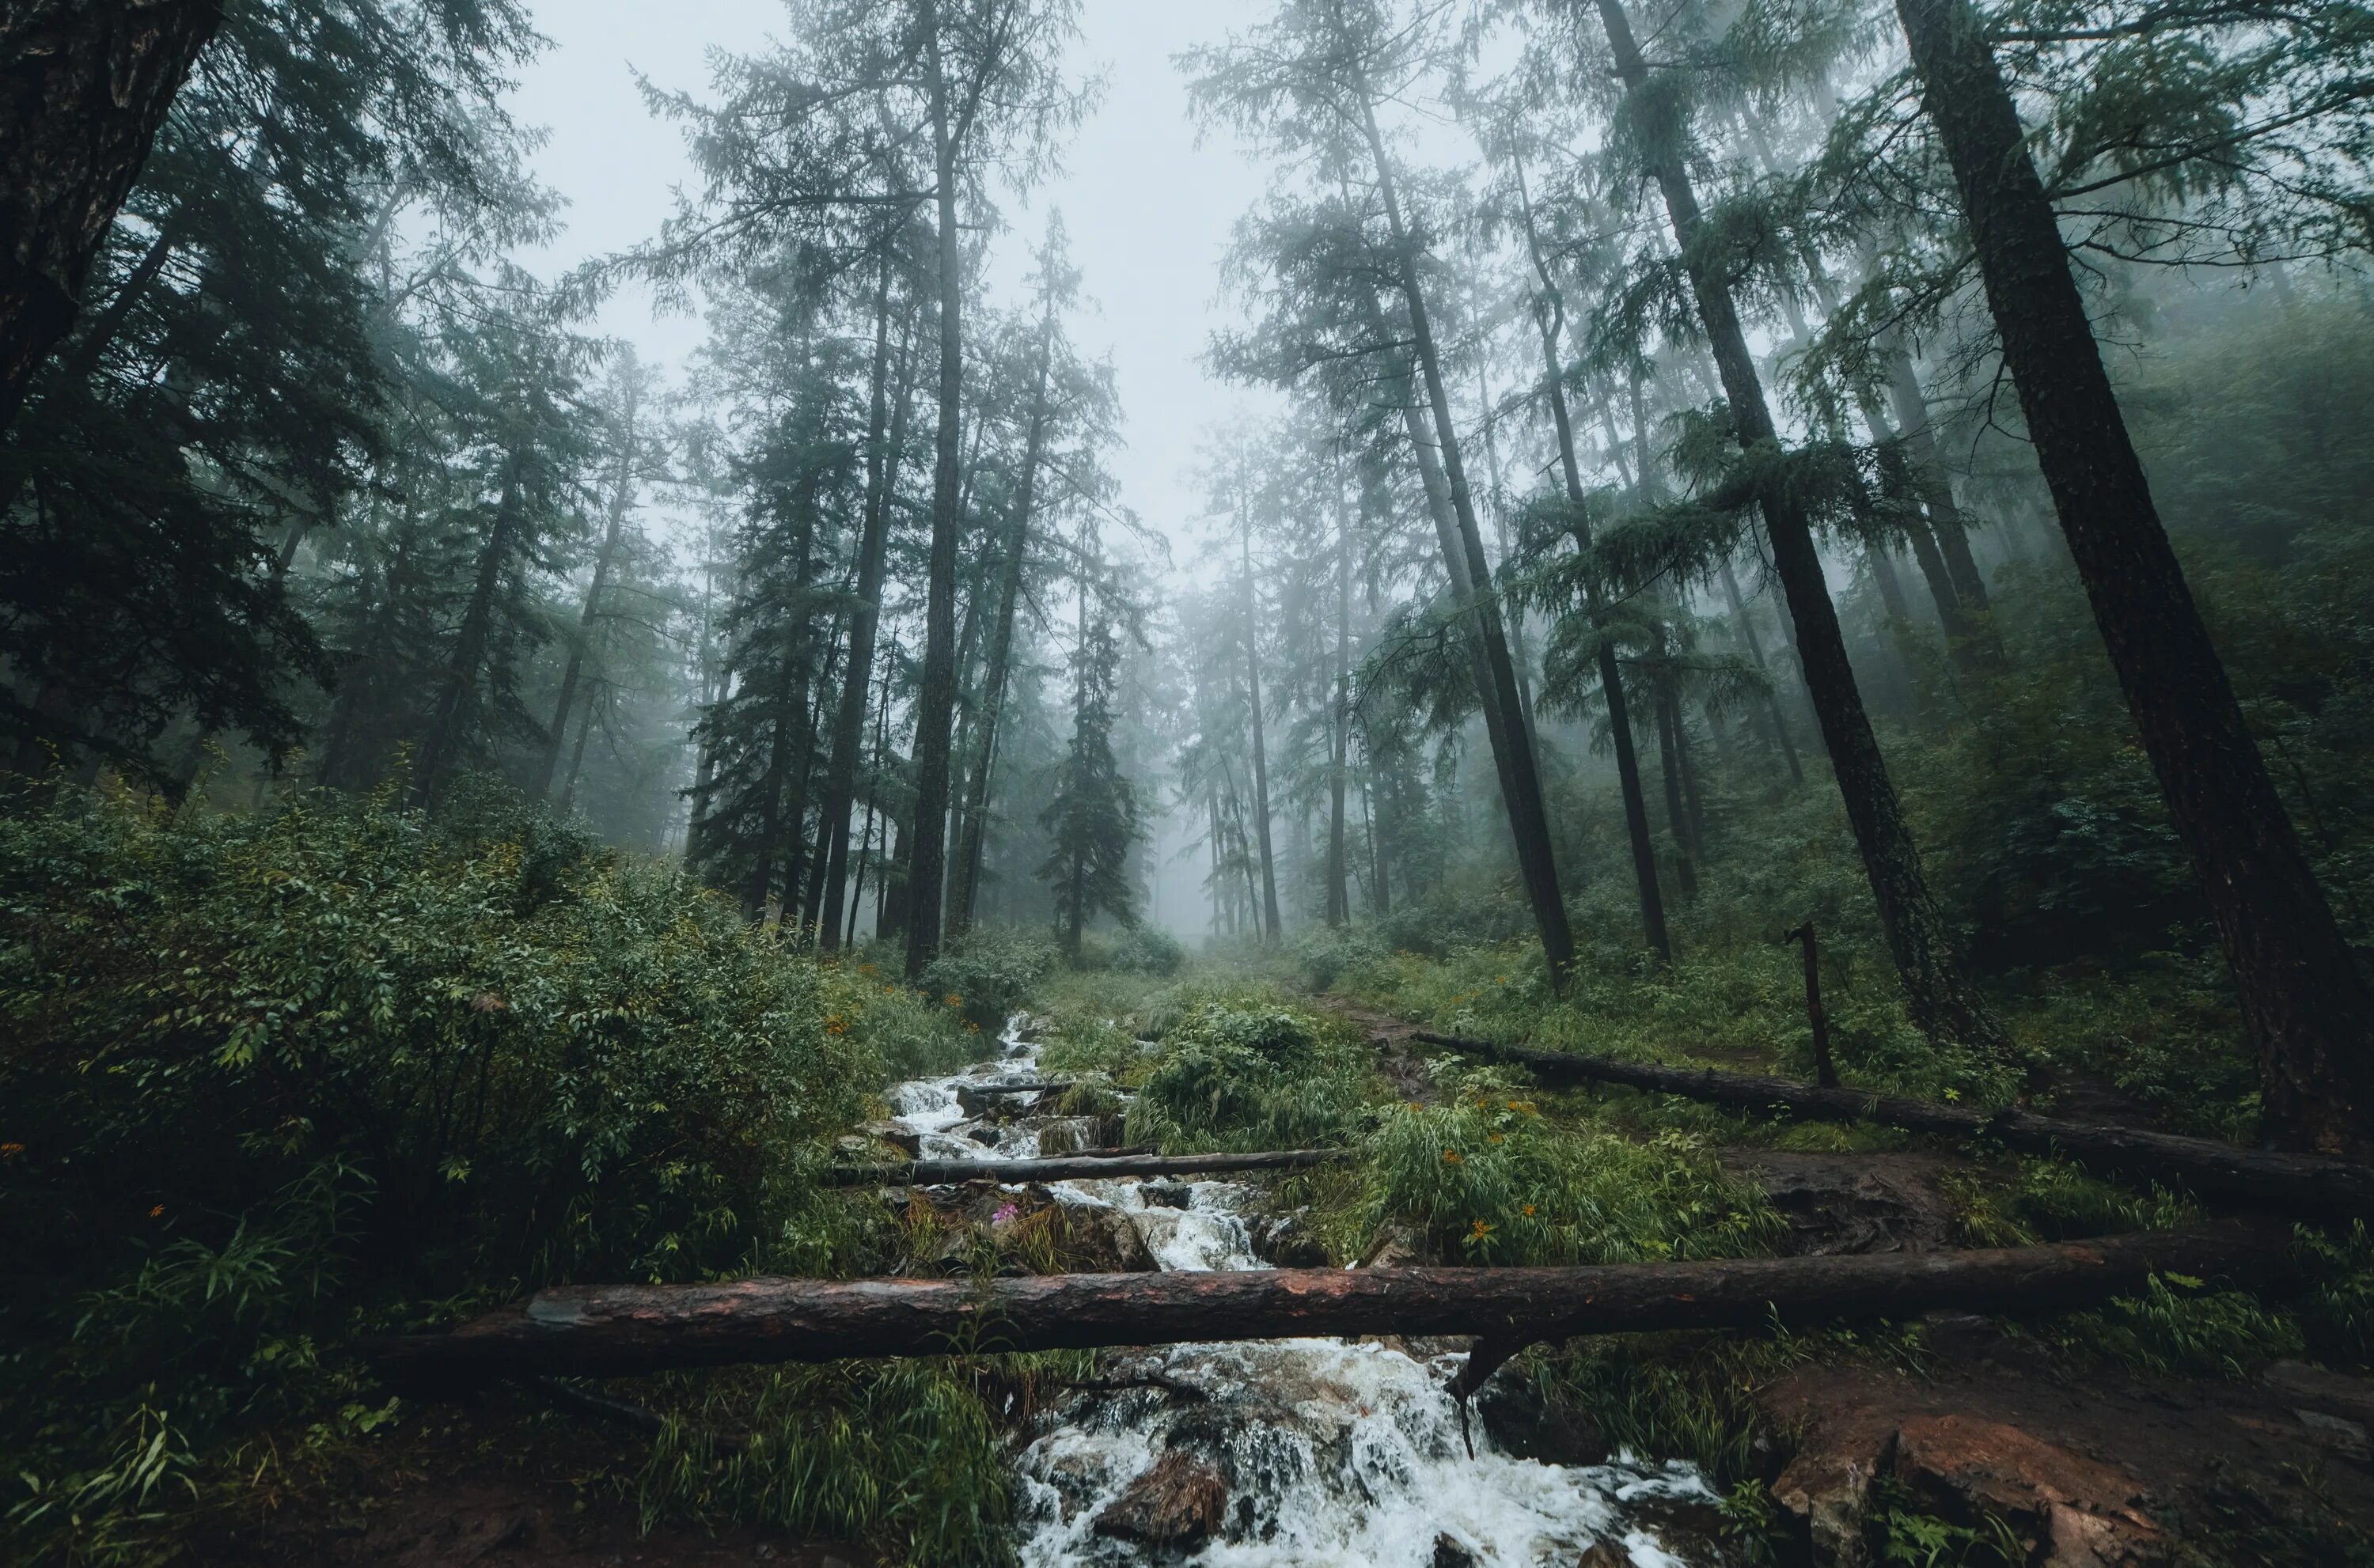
(935, 701)
(2309, 1183)
(886, 437)
(1670, 774)
(1512, 746)
(1937, 488)
(2306, 1005)
(1774, 719)
(577, 758)
(1938, 994)
(1272, 930)
(621, 498)
(615, 1330)
(85, 86)
(1014, 551)
(1339, 892)
(1551, 320)
(790, 712)
(471, 641)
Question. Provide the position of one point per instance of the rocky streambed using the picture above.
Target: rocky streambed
(1304, 1452)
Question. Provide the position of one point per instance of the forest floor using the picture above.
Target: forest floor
(505, 1482)
(1990, 1434)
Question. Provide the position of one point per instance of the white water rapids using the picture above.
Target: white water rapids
(1334, 1453)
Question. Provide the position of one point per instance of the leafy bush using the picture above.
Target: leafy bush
(987, 974)
(1248, 1076)
(1487, 1179)
(1144, 949)
(1324, 954)
(265, 1082)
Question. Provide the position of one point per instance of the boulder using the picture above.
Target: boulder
(905, 1140)
(2069, 1511)
(1285, 1241)
(2084, 1512)
(1178, 1502)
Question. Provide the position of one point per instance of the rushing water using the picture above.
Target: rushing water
(1333, 1453)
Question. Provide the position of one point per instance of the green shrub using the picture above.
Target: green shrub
(1248, 1076)
(1489, 1179)
(1326, 954)
(987, 974)
(266, 1081)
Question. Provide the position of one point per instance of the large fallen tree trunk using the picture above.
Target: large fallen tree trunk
(1072, 1167)
(616, 1329)
(2307, 1182)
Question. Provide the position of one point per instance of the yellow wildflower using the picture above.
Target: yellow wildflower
(1478, 1231)
(1491, 1138)
(1528, 1211)
(954, 1001)
(10, 1151)
(1451, 1157)
(157, 1212)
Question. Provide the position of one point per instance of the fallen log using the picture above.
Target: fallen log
(1072, 1167)
(975, 1099)
(2305, 1183)
(599, 1330)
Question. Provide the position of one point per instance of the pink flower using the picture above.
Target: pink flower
(1003, 1215)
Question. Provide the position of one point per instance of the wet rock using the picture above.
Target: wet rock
(1067, 1135)
(2071, 1511)
(1180, 1502)
(1524, 1422)
(1009, 1098)
(1972, 1468)
(1104, 1240)
(1166, 1194)
(1285, 1241)
(1826, 1487)
(906, 1140)
(1605, 1555)
(1395, 1246)
(1449, 1553)
(2329, 1393)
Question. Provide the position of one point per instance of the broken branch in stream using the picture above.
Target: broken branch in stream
(1072, 1167)
(607, 1331)
(2311, 1184)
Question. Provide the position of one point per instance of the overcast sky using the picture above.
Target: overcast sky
(1148, 212)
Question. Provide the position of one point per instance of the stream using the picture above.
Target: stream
(1291, 1452)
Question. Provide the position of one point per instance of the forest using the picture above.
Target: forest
(1435, 783)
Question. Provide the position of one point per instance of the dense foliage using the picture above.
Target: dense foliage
(274, 1079)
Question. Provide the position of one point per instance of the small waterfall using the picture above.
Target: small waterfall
(1295, 1453)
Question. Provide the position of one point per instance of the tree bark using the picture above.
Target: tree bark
(1550, 318)
(85, 86)
(471, 641)
(1938, 994)
(617, 1330)
(621, 498)
(1014, 551)
(885, 439)
(791, 710)
(1670, 775)
(1773, 717)
(2309, 1183)
(935, 701)
(1512, 745)
(1339, 890)
(2307, 1007)
(1272, 929)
